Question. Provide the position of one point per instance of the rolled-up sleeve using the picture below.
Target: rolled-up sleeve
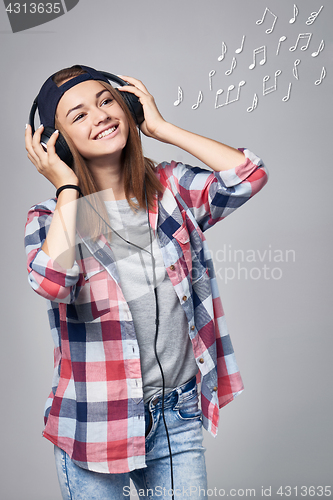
(45, 275)
(212, 195)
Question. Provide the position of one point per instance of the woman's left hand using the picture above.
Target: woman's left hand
(153, 119)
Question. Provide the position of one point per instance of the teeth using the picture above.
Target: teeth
(106, 132)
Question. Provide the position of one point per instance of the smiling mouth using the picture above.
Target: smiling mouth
(106, 132)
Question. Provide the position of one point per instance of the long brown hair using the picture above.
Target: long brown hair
(139, 171)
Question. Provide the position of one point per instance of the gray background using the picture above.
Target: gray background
(279, 431)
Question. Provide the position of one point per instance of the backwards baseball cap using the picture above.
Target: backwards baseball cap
(50, 94)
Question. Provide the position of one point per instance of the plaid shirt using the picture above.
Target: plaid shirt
(95, 411)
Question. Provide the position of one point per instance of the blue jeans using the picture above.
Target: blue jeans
(183, 418)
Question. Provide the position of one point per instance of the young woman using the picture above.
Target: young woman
(134, 307)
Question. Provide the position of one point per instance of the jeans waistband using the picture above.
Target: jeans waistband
(171, 397)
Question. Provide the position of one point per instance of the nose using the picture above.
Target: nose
(99, 115)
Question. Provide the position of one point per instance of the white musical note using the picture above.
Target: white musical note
(254, 104)
(180, 97)
(286, 97)
(260, 21)
(219, 92)
(200, 98)
(224, 50)
(293, 19)
(238, 51)
(258, 51)
(233, 66)
(322, 76)
(210, 76)
(282, 39)
(321, 47)
(230, 88)
(300, 37)
(268, 90)
(313, 16)
(295, 70)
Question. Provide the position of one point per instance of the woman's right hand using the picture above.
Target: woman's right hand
(48, 162)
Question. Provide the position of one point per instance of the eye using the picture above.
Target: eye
(78, 117)
(107, 101)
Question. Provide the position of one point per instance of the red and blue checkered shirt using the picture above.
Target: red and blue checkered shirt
(95, 411)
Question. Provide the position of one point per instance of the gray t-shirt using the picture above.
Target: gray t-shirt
(174, 346)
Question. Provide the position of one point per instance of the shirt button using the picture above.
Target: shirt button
(172, 267)
(184, 298)
(84, 275)
(215, 389)
(192, 328)
(201, 360)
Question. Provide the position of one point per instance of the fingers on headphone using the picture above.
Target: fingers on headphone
(52, 141)
(29, 144)
(36, 145)
(53, 138)
(142, 87)
(30, 157)
(33, 147)
(137, 83)
(33, 157)
(27, 136)
(129, 88)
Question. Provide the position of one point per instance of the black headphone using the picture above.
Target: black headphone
(61, 147)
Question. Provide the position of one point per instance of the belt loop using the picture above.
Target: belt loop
(179, 392)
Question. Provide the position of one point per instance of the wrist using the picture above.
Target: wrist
(71, 187)
(164, 132)
(74, 181)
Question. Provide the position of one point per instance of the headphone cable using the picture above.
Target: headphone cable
(155, 345)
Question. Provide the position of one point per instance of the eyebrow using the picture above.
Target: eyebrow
(82, 105)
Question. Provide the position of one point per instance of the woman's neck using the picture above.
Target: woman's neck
(109, 177)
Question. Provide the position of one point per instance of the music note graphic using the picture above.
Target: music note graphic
(255, 53)
(293, 19)
(313, 16)
(301, 36)
(180, 97)
(268, 90)
(322, 76)
(260, 21)
(219, 92)
(233, 66)
(210, 76)
(230, 88)
(286, 97)
(254, 104)
(200, 98)
(282, 39)
(295, 70)
(238, 51)
(321, 47)
(224, 50)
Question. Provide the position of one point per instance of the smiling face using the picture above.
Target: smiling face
(95, 122)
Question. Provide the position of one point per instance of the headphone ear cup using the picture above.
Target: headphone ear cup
(61, 146)
(134, 106)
